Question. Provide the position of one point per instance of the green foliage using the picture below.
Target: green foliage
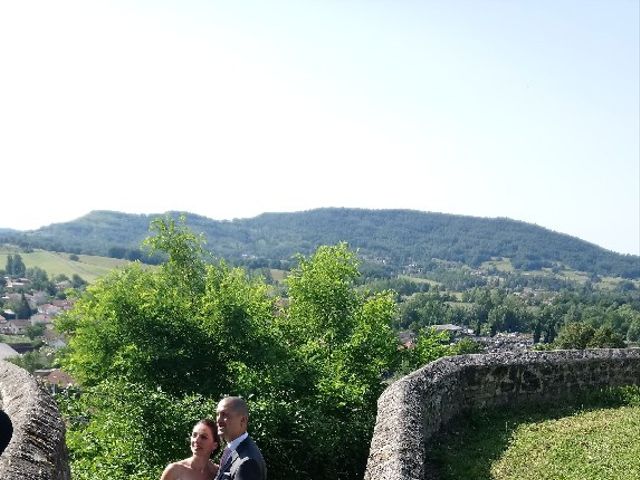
(311, 371)
(36, 330)
(345, 338)
(575, 336)
(605, 337)
(392, 239)
(21, 307)
(633, 333)
(15, 266)
(33, 360)
(466, 346)
(77, 281)
(123, 431)
(581, 336)
(510, 316)
(39, 279)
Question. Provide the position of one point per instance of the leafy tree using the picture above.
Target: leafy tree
(633, 334)
(36, 330)
(575, 336)
(605, 337)
(580, 336)
(312, 369)
(9, 265)
(424, 309)
(466, 346)
(346, 337)
(429, 346)
(15, 266)
(508, 317)
(39, 279)
(33, 360)
(77, 281)
(22, 308)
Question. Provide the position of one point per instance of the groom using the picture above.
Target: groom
(241, 460)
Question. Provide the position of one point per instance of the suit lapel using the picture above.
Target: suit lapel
(228, 464)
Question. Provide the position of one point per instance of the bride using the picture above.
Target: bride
(204, 443)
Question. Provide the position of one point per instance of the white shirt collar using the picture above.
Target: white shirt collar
(233, 445)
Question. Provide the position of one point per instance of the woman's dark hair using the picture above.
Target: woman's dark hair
(213, 426)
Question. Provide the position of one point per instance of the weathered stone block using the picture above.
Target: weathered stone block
(37, 448)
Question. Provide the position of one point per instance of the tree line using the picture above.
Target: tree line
(392, 239)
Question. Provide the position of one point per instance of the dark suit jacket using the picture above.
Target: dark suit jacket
(246, 463)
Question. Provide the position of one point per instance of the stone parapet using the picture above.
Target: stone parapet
(37, 448)
(414, 408)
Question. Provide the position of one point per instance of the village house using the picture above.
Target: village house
(55, 379)
(40, 318)
(54, 339)
(49, 309)
(16, 283)
(16, 327)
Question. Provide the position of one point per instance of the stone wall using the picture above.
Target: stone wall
(37, 450)
(413, 409)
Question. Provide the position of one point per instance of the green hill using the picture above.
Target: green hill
(392, 239)
(89, 267)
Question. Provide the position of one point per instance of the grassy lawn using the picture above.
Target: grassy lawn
(597, 441)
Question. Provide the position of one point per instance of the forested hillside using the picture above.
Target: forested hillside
(392, 239)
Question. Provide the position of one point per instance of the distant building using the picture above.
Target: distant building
(55, 378)
(16, 327)
(454, 330)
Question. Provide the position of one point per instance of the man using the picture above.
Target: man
(241, 460)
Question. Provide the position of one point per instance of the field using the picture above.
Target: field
(89, 267)
(500, 264)
(598, 442)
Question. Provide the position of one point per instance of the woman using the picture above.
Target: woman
(204, 443)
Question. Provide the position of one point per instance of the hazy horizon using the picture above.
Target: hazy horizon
(524, 110)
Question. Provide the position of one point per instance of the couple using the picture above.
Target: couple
(241, 459)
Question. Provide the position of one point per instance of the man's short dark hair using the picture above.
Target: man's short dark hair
(238, 404)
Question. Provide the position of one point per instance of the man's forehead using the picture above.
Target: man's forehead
(225, 406)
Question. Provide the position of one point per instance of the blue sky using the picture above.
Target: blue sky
(519, 109)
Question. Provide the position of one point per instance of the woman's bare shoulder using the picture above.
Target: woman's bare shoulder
(173, 470)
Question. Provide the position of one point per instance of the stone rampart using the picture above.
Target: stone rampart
(414, 408)
(37, 448)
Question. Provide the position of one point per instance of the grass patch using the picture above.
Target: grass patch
(595, 441)
(89, 267)
(500, 264)
(11, 339)
(278, 275)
